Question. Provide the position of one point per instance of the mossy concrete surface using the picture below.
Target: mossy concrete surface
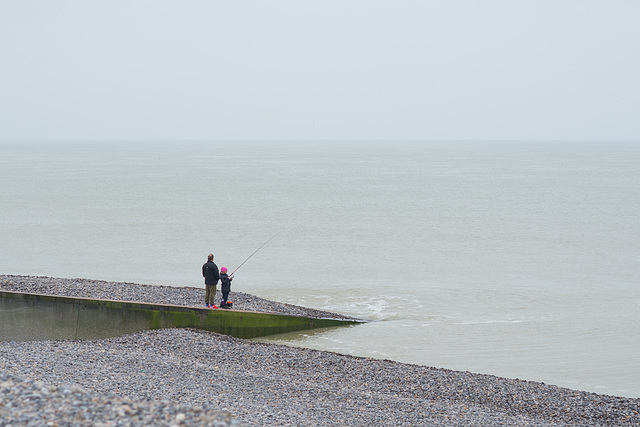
(28, 317)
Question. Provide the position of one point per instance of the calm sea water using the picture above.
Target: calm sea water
(514, 259)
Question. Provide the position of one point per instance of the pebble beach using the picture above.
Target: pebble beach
(193, 377)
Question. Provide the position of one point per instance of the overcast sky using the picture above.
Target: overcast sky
(296, 69)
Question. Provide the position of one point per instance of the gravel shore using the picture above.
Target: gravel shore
(192, 377)
(123, 291)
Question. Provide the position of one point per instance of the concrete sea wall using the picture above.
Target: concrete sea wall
(27, 317)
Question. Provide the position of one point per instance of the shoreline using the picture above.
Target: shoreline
(270, 384)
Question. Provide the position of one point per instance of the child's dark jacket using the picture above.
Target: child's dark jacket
(225, 281)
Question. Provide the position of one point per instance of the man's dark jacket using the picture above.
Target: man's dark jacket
(210, 273)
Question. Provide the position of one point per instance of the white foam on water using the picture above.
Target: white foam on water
(488, 322)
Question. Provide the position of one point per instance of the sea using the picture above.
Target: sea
(519, 259)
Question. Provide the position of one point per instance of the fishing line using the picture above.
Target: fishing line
(254, 252)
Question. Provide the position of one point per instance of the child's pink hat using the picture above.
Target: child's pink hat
(223, 269)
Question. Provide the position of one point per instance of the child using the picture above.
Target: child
(225, 282)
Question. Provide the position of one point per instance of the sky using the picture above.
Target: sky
(319, 70)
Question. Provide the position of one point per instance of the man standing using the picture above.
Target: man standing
(211, 276)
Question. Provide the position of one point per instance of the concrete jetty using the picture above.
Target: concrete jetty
(29, 316)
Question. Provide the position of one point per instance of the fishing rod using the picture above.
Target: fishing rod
(254, 252)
